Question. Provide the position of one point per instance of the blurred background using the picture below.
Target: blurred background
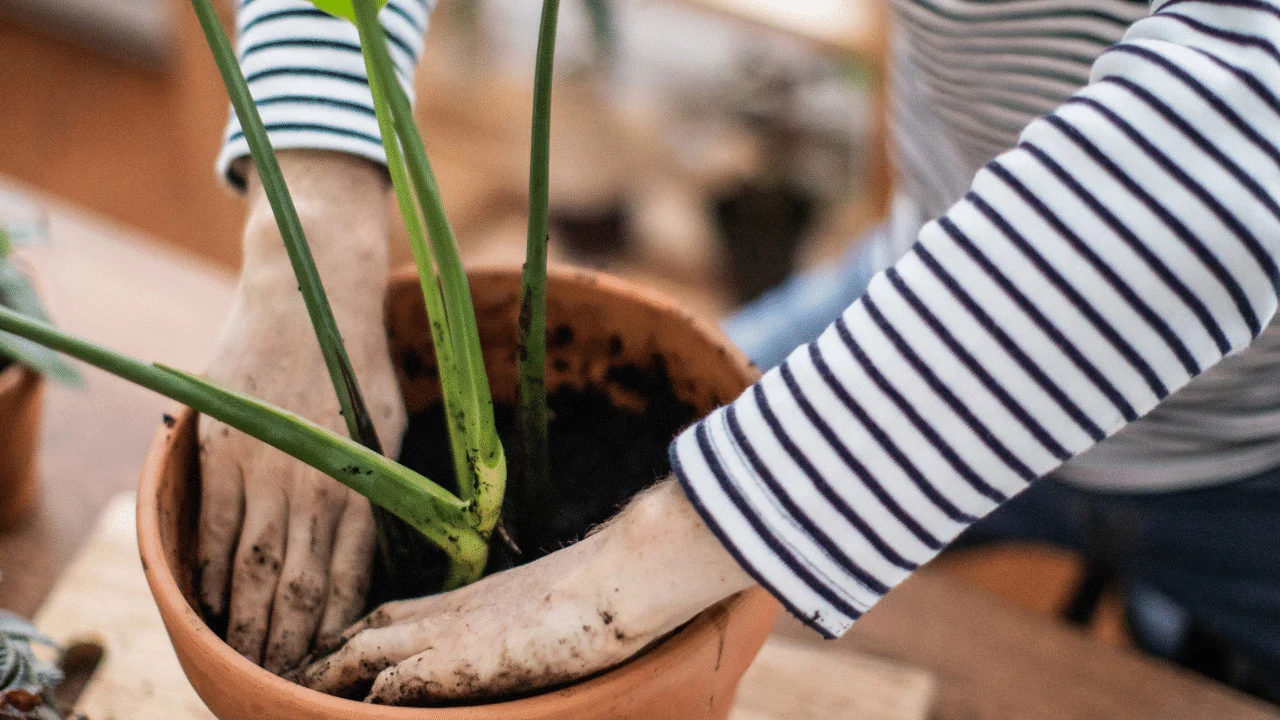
(704, 147)
(692, 141)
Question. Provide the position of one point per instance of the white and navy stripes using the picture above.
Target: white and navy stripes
(1126, 244)
(1105, 179)
(307, 75)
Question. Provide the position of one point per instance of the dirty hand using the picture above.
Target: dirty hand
(284, 551)
(570, 614)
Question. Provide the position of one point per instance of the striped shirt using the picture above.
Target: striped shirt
(306, 73)
(1100, 180)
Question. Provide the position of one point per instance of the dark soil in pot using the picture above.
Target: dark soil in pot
(607, 443)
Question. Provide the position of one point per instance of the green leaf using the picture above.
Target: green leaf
(342, 8)
(435, 512)
(38, 358)
(17, 293)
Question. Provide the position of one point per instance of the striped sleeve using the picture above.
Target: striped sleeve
(305, 70)
(1126, 244)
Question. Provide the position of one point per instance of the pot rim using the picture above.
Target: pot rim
(165, 590)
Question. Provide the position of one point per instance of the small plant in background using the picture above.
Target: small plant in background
(17, 293)
(410, 507)
(26, 683)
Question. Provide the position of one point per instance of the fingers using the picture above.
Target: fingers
(221, 510)
(258, 561)
(391, 613)
(349, 570)
(315, 505)
(418, 681)
(485, 669)
(355, 665)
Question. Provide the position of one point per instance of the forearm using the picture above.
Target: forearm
(1126, 245)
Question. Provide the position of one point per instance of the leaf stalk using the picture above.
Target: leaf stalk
(532, 412)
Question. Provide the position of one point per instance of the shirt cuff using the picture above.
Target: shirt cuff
(306, 73)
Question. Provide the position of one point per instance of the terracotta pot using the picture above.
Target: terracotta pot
(21, 396)
(691, 674)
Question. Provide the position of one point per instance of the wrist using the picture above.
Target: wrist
(341, 202)
(676, 567)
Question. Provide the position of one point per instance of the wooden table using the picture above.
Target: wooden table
(108, 284)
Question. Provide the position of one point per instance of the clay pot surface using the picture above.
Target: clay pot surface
(691, 674)
(21, 398)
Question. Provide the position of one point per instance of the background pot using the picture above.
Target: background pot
(21, 396)
(692, 674)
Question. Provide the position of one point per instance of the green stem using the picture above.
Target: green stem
(435, 512)
(533, 287)
(485, 455)
(400, 560)
(441, 339)
(354, 411)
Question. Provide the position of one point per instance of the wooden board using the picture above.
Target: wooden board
(796, 680)
(103, 598)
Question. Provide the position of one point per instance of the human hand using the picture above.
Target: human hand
(575, 612)
(284, 549)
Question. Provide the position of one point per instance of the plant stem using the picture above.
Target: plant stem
(532, 414)
(354, 411)
(400, 560)
(441, 339)
(485, 456)
(435, 512)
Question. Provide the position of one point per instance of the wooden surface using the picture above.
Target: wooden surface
(799, 680)
(116, 288)
(992, 662)
(140, 678)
